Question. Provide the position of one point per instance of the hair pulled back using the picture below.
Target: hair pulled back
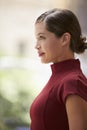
(60, 21)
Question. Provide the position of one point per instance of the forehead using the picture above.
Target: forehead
(40, 28)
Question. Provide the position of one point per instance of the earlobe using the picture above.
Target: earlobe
(66, 39)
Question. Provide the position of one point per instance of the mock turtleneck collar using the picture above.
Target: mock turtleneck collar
(64, 66)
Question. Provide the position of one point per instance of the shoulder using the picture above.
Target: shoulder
(73, 84)
(74, 79)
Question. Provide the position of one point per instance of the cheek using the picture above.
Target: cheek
(55, 51)
(53, 48)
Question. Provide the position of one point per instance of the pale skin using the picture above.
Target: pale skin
(53, 49)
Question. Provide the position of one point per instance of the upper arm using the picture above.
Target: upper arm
(76, 108)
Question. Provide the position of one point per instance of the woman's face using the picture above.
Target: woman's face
(48, 46)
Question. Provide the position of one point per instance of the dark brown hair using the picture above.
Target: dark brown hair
(60, 21)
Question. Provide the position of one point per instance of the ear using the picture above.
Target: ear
(66, 39)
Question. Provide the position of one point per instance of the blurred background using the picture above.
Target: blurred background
(22, 76)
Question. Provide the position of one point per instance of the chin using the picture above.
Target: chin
(45, 61)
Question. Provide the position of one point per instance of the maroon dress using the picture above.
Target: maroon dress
(48, 110)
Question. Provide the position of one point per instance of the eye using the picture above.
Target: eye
(41, 37)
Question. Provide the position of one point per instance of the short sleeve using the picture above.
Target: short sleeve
(74, 85)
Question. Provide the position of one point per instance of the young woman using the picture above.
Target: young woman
(62, 104)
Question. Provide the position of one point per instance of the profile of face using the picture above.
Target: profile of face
(50, 48)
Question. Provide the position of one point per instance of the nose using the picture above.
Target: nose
(37, 46)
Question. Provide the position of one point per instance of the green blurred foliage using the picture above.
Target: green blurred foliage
(15, 97)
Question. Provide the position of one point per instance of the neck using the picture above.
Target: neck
(66, 56)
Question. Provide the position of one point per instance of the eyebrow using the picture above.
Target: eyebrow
(41, 34)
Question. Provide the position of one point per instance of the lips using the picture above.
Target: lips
(41, 54)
